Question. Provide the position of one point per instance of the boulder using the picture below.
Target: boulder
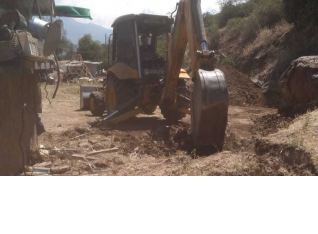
(299, 83)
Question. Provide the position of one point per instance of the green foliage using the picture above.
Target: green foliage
(246, 18)
(234, 9)
(228, 61)
(234, 26)
(212, 30)
(268, 12)
(89, 49)
(104, 55)
(301, 12)
(214, 36)
(66, 48)
(250, 29)
(209, 19)
(94, 51)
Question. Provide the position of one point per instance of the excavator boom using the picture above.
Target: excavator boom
(209, 101)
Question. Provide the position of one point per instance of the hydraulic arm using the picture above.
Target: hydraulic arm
(209, 101)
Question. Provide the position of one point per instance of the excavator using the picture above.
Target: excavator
(147, 53)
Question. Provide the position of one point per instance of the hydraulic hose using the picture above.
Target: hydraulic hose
(58, 76)
(198, 20)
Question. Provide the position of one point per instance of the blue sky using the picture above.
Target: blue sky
(105, 11)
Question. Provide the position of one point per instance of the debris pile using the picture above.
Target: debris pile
(77, 69)
(69, 162)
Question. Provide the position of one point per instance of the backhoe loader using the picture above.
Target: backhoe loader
(143, 77)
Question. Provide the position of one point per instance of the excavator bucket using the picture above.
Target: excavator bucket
(209, 109)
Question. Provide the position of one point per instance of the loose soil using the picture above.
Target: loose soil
(242, 91)
(149, 145)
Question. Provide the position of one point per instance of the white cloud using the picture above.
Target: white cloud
(104, 12)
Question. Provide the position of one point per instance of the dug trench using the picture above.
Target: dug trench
(148, 145)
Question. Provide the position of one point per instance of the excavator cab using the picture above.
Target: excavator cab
(140, 46)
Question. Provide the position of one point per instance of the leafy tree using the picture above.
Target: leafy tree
(214, 36)
(89, 49)
(268, 12)
(233, 9)
(209, 18)
(106, 57)
(66, 48)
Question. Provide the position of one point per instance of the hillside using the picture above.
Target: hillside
(261, 38)
(76, 30)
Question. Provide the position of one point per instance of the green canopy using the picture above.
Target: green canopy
(73, 12)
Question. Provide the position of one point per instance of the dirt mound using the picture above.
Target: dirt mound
(144, 145)
(295, 160)
(150, 136)
(270, 124)
(293, 110)
(242, 91)
(149, 145)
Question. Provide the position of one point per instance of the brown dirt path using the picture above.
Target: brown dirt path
(147, 144)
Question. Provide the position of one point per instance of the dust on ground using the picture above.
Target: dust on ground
(149, 145)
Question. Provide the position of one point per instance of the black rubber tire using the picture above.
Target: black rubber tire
(125, 91)
(99, 105)
(175, 116)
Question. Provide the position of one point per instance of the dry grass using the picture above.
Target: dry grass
(302, 134)
(63, 120)
(222, 164)
(66, 91)
(267, 36)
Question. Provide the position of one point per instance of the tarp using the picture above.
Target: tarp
(47, 7)
(73, 12)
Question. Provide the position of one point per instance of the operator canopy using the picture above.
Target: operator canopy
(147, 23)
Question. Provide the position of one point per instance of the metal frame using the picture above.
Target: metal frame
(137, 48)
(109, 46)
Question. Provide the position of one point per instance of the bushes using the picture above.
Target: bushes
(250, 29)
(234, 26)
(214, 36)
(228, 11)
(87, 44)
(267, 36)
(246, 19)
(228, 61)
(266, 14)
(269, 12)
(231, 9)
(301, 12)
(209, 19)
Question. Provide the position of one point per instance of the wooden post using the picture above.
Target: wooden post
(19, 104)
